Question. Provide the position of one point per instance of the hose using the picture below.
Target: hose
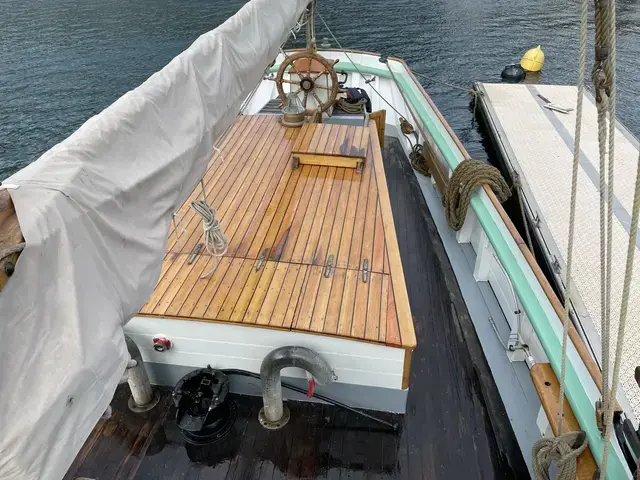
(245, 373)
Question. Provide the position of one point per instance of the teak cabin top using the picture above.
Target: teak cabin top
(312, 248)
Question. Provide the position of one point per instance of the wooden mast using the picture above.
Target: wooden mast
(10, 236)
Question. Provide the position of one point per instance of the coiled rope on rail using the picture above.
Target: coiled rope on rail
(466, 177)
(563, 450)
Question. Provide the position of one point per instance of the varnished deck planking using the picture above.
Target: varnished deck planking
(284, 227)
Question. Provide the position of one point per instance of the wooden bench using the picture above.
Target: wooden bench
(328, 145)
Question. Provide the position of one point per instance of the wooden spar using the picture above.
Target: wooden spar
(10, 236)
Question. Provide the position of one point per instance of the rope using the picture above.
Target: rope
(353, 108)
(418, 158)
(582, 67)
(601, 85)
(466, 177)
(609, 398)
(366, 80)
(563, 450)
(628, 273)
(566, 447)
(215, 240)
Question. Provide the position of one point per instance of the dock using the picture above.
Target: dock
(537, 143)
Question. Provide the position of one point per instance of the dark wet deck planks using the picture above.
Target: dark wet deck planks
(455, 426)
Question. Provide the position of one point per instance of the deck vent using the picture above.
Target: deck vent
(204, 414)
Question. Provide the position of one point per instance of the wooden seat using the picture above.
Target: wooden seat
(331, 145)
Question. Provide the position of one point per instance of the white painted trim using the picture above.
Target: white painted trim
(223, 345)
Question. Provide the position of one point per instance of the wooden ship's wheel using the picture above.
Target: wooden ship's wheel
(312, 79)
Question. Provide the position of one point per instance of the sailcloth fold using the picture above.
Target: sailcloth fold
(95, 211)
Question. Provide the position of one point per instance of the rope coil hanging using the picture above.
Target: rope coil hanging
(466, 177)
(563, 450)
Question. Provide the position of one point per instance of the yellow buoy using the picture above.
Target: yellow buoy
(533, 60)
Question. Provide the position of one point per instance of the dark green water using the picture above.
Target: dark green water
(62, 61)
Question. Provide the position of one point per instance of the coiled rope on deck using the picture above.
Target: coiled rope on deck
(214, 238)
(466, 177)
(215, 241)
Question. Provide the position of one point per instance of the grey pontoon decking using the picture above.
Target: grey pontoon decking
(538, 143)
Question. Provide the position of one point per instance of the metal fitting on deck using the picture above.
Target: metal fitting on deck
(274, 415)
(143, 397)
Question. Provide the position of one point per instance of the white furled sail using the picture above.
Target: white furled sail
(95, 211)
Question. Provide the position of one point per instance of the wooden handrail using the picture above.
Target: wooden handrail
(10, 235)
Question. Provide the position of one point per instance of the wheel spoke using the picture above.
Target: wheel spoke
(317, 98)
(293, 69)
(304, 102)
(286, 80)
(324, 72)
(322, 86)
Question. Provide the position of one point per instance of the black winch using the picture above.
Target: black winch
(204, 414)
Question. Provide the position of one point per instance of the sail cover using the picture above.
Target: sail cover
(95, 211)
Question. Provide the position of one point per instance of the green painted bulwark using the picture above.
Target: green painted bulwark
(581, 391)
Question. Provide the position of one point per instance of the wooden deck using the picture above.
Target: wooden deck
(312, 249)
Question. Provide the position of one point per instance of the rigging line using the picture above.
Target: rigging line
(470, 91)
(599, 77)
(367, 81)
(623, 315)
(610, 397)
(610, 67)
(572, 211)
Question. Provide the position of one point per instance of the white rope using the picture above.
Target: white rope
(563, 448)
(628, 273)
(215, 240)
(582, 68)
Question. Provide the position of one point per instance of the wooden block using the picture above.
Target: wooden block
(548, 388)
(327, 160)
(380, 118)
